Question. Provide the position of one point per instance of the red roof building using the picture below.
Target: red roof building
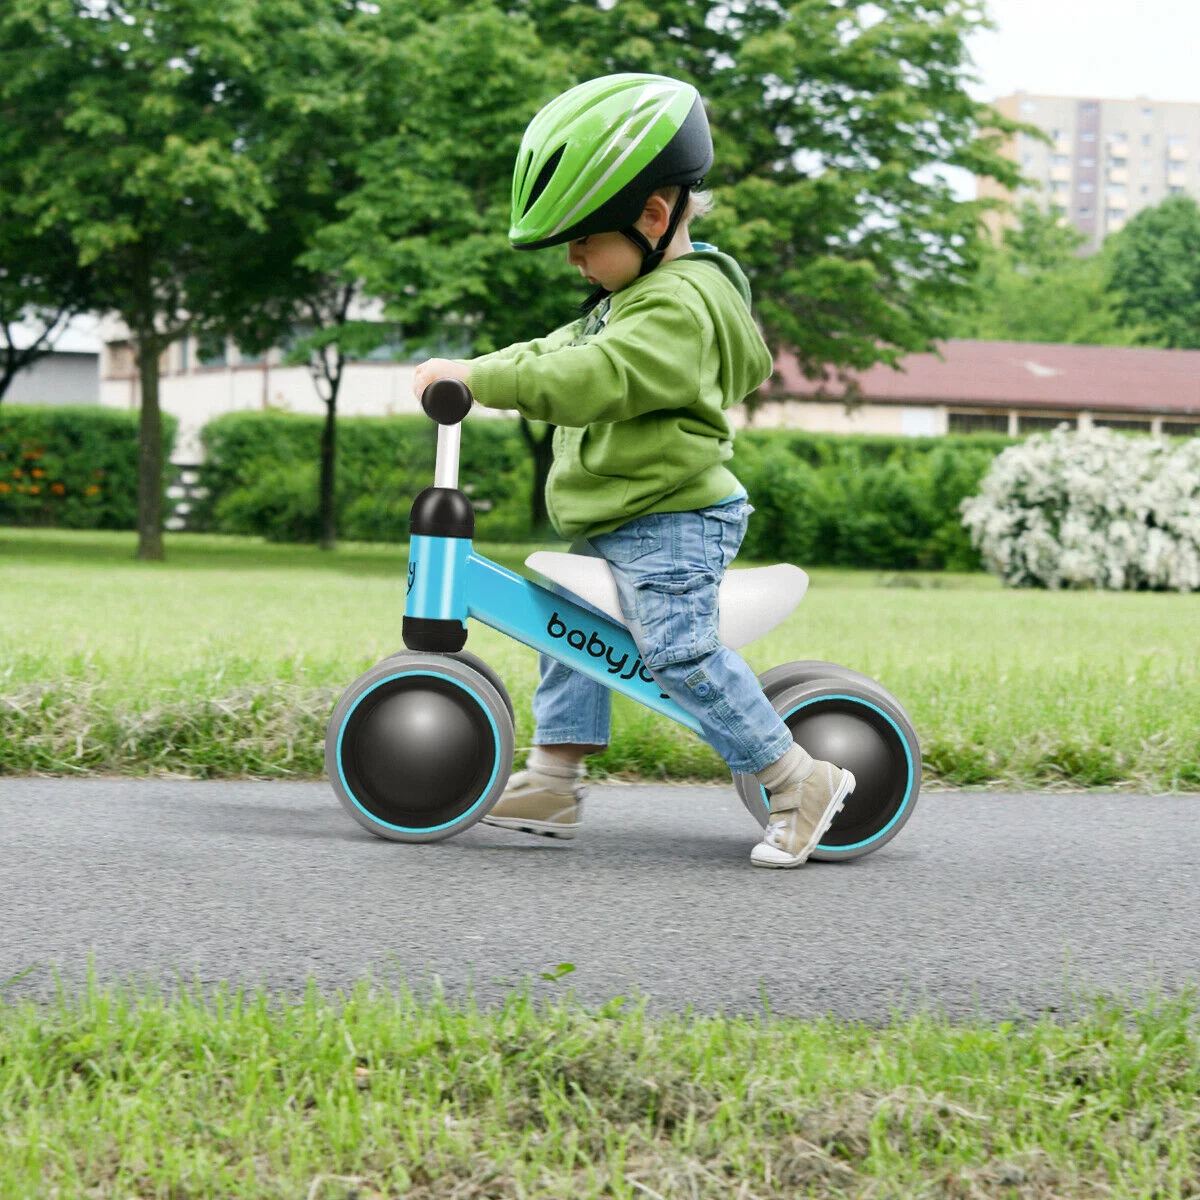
(1006, 387)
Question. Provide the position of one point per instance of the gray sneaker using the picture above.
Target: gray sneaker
(800, 816)
(530, 806)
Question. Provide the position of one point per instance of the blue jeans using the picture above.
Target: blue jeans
(668, 568)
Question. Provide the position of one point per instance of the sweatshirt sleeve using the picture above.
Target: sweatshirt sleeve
(647, 358)
(561, 336)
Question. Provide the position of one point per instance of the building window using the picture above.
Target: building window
(1039, 422)
(1145, 190)
(1127, 424)
(1085, 211)
(1176, 141)
(183, 355)
(1087, 137)
(1116, 189)
(1147, 167)
(1028, 106)
(1174, 191)
(1148, 113)
(1147, 140)
(120, 361)
(978, 422)
(1089, 106)
(1027, 160)
(210, 352)
(1181, 428)
(1087, 187)
(1060, 160)
(1087, 162)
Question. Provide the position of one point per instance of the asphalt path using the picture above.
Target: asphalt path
(989, 904)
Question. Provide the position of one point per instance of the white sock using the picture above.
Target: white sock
(559, 776)
(787, 772)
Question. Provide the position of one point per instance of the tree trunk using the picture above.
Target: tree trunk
(543, 457)
(328, 474)
(150, 453)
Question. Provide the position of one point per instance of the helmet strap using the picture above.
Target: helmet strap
(652, 257)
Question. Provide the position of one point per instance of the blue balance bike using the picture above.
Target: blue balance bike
(420, 747)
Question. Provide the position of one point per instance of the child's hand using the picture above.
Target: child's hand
(438, 368)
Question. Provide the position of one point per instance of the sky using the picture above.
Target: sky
(1106, 49)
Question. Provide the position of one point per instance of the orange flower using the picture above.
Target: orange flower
(4, 489)
(58, 489)
(35, 490)
(91, 490)
(17, 473)
(37, 473)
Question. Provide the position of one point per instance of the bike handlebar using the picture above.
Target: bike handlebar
(447, 401)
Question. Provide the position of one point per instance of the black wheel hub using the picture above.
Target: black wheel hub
(417, 751)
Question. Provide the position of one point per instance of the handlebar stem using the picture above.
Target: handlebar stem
(445, 471)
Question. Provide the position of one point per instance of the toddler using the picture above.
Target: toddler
(638, 388)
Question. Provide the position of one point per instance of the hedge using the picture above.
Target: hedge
(73, 466)
(820, 499)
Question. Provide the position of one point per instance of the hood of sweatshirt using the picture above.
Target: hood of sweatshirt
(725, 291)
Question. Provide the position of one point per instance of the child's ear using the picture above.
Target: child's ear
(656, 216)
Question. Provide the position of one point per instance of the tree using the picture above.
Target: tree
(1036, 287)
(319, 118)
(426, 231)
(1155, 274)
(132, 124)
(827, 119)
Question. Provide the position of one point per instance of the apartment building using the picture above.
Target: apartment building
(1108, 159)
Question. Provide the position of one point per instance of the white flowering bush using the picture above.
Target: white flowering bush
(1091, 509)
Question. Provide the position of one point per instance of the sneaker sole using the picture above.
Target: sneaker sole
(539, 828)
(794, 860)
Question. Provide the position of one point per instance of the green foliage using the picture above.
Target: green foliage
(73, 467)
(261, 472)
(1035, 287)
(820, 499)
(427, 228)
(864, 501)
(1155, 273)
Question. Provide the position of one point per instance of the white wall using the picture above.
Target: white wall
(196, 397)
(57, 379)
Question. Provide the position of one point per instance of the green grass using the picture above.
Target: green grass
(228, 657)
(121, 1093)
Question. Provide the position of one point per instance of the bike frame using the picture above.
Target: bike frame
(447, 580)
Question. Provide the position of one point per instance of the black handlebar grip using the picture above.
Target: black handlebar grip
(447, 401)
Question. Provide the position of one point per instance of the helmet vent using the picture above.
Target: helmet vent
(544, 177)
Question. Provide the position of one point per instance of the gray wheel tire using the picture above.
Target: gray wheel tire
(483, 707)
(794, 683)
(473, 660)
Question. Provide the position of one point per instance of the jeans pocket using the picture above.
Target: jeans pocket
(724, 530)
(678, 617)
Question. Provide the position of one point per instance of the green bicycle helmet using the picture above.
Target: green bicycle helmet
(591, 157)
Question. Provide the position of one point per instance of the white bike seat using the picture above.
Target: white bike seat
(750, 602)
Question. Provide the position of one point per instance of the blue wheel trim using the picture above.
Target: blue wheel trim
(907, 756)
(419, 828)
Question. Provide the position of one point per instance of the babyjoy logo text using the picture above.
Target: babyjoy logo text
(412, 574)
(598, 648)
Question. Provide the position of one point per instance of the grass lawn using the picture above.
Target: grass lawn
(121, 1094)
(228, 657)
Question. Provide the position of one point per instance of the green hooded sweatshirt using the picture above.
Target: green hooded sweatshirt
(639, 390)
